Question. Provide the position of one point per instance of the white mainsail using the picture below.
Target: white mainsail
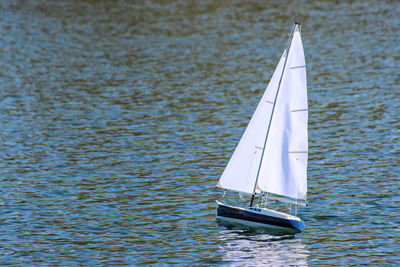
(279, 123)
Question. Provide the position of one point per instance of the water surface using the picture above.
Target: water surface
(118, 117)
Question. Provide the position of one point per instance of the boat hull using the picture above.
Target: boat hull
(255, 217)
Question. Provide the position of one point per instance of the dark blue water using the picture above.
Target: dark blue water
(118, 117)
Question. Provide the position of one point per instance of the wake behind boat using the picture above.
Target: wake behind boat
(270, 161)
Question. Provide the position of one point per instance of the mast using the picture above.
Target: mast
(273, 108)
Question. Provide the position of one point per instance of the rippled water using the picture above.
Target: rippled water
(118, 117)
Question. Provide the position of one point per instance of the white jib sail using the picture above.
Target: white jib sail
(283, 169)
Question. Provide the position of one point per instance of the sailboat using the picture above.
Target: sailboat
(270, 161)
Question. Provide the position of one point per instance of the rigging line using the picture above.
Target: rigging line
(273, 108)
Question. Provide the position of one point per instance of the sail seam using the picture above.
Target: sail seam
(295, 152)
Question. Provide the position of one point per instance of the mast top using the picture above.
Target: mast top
(297, 26)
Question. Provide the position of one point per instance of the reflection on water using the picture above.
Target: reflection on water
(255, 230)
(243, 248)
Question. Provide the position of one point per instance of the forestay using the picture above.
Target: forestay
(280, 123)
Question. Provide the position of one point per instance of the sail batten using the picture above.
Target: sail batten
(300, 110)
(297, 67)
(272, 153)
